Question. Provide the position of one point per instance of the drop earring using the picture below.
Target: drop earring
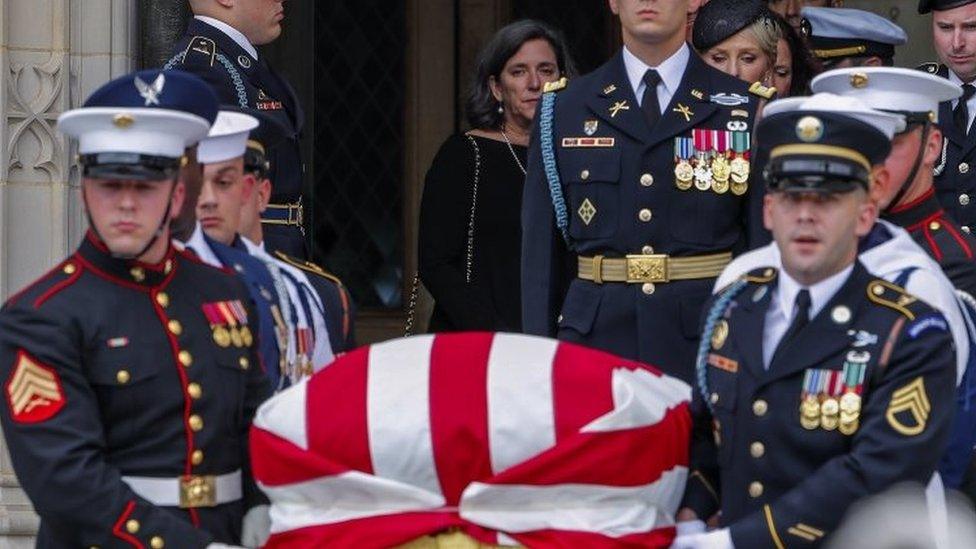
(501, 108)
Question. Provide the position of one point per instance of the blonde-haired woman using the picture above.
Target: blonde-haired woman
(738, 37)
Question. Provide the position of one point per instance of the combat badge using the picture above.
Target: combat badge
(909, 409)
(729, 99)
(34, 391)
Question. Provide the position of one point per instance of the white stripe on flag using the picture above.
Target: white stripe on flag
(398, 412)
(339, 498)
(608, 510)
(284, 415)
(640, 399)
(520, 407)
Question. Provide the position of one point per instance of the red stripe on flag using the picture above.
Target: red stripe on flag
(276, 461)
(335, 412)
(614, 458)
(459, 410)
(661, 537)
(581, 389)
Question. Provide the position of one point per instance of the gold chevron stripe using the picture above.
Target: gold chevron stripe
(31, 381)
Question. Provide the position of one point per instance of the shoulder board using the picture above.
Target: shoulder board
(44, 288)
(202, 48)
(307, 266)
(930, 67)
(890, 295)
(762, 275)
(759, 90)
(555, 86)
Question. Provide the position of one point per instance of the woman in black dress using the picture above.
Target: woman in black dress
(470, 227)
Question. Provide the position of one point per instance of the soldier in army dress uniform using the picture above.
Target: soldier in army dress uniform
(636, 194)
(219, 46)
(817, 382)
(127, 423)
(954, 184)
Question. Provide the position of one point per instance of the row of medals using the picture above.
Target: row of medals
(718, 174)
(239, 337)
(842, 414)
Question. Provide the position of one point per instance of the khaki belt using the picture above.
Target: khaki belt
(657, 269)
(284, 214)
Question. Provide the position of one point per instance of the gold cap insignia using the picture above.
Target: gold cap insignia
(809, 129)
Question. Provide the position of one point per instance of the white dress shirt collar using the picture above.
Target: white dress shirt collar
(198, 245)
(234, 34)
(820, 293)
(672, 70)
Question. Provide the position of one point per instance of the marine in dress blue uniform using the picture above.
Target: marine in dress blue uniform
(854, 395)
(626, 225)
(241, 79)
(126, 420)
(954, 184)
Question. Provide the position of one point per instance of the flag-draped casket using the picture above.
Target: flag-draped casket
(513, 439)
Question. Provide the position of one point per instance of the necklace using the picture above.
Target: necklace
(512, 150)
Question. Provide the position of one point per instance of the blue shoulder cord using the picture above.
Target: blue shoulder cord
(714, 314)
(546, 139)
(235, 75)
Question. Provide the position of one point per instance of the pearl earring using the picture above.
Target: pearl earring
(501, 109)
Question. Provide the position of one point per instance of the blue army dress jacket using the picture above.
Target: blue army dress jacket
(116, 370)
(859, 399)
(611, 188)
(955, 170)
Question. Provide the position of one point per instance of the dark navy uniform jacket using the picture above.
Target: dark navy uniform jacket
(783, 475)
(941, 237)
(657, 324)
(247, 83)
(106, 363)
(955, 171)
(340, 313)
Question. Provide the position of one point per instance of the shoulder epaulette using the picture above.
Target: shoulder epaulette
(203, 47)
(307, 266)
(762, 275)
(890, 295)
(931, 67)
(54, 281)
(759, 90)
(555, 86)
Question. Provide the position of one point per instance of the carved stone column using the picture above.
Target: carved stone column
(53, 53)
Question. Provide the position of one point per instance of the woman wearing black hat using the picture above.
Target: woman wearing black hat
(738, 37)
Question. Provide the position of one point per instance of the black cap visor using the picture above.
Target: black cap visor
(812, 174)
(129, 166)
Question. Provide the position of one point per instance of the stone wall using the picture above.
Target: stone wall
(53, 53)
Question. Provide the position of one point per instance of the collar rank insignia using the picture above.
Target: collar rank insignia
(617, 107)
(228, 321)
(34, 391)
(151, 92)
(609, 89)
(698, 94)
(244, 61)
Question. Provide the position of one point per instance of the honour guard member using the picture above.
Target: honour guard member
(321, 294)
(817, 383)
(909, 201)
(845, 37)
(956, 47)
(636, 194)
(216, 240)
(219, 45)
(127, 423)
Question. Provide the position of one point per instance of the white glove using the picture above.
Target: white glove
(716, 539)
(256, 527)
(223, 546)
(688, 527)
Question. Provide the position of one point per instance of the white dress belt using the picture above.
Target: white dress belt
(170, 492)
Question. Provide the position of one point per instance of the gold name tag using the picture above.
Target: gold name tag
(584, 142)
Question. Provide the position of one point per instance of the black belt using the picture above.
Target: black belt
(284, 214)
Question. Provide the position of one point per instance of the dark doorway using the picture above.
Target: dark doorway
(589, 27)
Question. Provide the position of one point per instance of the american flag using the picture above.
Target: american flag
(511, 439)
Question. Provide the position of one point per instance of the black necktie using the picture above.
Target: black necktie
(649, 103)
(960, 115)
(800, 319)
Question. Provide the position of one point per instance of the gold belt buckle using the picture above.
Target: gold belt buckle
(647, 268)
(198, 491)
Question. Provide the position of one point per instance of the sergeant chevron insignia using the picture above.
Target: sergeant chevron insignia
(34, 391)
(909, 408)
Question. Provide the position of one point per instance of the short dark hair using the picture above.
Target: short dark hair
(482, 108)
